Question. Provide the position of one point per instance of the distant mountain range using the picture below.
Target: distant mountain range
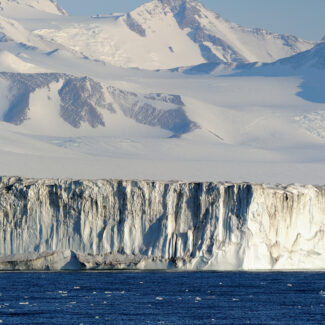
(312, 58)
(218, 40)
(169, 90)
(172, 33)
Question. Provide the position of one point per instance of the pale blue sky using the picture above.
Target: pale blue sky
(303, 18)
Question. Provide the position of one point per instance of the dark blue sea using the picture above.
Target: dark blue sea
(162, 298)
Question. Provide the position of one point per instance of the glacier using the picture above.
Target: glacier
(63, 224)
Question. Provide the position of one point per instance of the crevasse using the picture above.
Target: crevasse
(112, 224)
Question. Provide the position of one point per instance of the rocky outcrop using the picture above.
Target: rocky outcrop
(84, 100)
(134, 25)
(111, 224)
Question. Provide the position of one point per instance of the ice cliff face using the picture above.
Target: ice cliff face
(107, 224)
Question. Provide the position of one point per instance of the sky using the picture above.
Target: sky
(303, 18)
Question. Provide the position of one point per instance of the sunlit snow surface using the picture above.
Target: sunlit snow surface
(162, 298)
(263, 125)
(250, 129)
(168, 34)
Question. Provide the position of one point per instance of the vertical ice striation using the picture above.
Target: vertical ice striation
(53, 224)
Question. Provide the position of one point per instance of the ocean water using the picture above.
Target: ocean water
(162, 298)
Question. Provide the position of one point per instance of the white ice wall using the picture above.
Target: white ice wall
(143, 224)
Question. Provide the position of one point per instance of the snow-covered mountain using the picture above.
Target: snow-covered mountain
(219, 40)
(313, 58)
(80, 101)
(68, 109)
(11, 31)
(164, 34)
(29, 8)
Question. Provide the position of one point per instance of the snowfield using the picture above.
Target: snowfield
(71, 106)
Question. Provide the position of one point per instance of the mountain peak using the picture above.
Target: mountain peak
(174, 2)
(177, 5)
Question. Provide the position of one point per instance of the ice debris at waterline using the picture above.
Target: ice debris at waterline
(51, 224)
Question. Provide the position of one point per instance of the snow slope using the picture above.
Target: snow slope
(11, 30)
(111, 41)
(12, 63)
(238, 137)
(29, 8)
(165, 34)
(67, 115)
(313, 58)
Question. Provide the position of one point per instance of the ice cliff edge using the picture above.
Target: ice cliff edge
(50, 224)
